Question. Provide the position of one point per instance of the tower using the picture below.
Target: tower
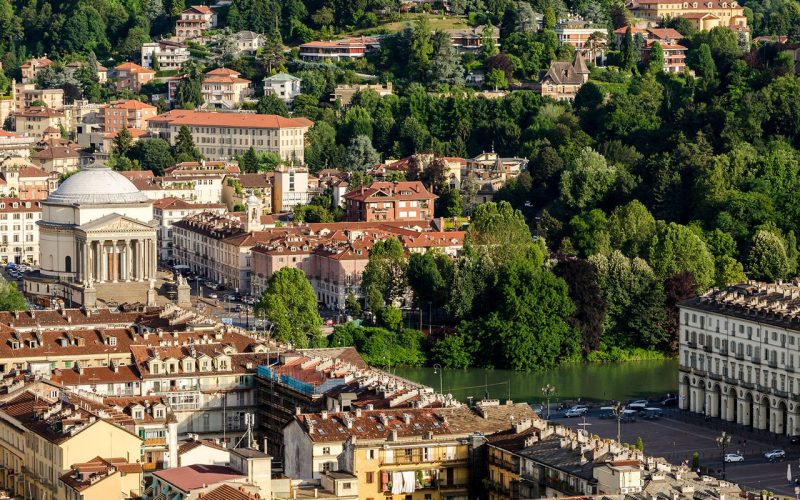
(253, 214)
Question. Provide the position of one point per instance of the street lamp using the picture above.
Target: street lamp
(619, 408)
(437, 368)
(548, 391)
(723, 441)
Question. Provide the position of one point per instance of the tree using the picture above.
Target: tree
(500, 233)
(189, 94)
(384, 277)
(639, 444)
(446, 68)
(587, 180)
(677, 248)
(421, 49)
(352, 305)
(361, 155)
(767, 258)
(430, 276)
(496, 79)
(123, 142)
(705, 65)
(631, 228)
(184, 149)
(11, 299)
(488, 45)
(656, 62)
(271, 104)
(456, 350)
(271, 54)
(290, 303)
(153, 155)
(590, 306)
(249, 161)
(627, 50)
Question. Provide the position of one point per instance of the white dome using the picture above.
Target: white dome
(97, 185)
(252, 200)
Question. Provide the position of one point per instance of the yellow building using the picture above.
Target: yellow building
(102, 479)
(704, 15)
(43, 433)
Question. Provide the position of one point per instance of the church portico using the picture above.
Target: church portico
(97, 229)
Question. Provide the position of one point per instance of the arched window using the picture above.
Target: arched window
(68, 264)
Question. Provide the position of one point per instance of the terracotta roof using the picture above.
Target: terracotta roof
(41, 61)
(223, 72)
(136, 133)
(6, 133)
(87, 474)
(203, 9)
(133, 68)
(198, 476)
(258, 180)
(247, 120)
(224, 79)
(177, 203)
(662, 33)
(130, 104)
(226, 492)
(56, 152)
(392, 191)
(95, 375)
(190, 444)
(10, 205)
(40, 112)
(132, 175)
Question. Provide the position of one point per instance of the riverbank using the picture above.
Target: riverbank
(585, 381)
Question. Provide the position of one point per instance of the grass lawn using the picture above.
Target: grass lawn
(437, 22)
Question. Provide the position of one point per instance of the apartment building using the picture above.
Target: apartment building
(283, 85)
(59, 156)
(667, 38)
(196, 189)
(193, 22)
(15, 145)
(224, 88)
(45, 430)
(390, 201)
(25, 94)
(704, 15)
(337, 50)
(21, 179)
(31, 68)
(102, 479)
(422, 452)
(19, 234)
(39, 122)
(471, 39)
(248, 42)
(131, 76)
(169, 55)
(74, 66)
(290, 187)
(126, 114)
(576, 32)
(168, 211)
(739, 355)
(220, 136)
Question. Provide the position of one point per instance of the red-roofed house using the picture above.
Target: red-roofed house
(667, 38)
(167, 211)
(126, 113)
(350, 48)
(390, 201)
(223, 88)
(220, 136)
(31, 68)
(704, 15)
(131, 76)
(103, 479)
(193, 22)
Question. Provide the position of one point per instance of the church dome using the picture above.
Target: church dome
(97, 185)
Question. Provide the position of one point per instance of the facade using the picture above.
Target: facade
(24, 181)
(89, 237)
(223, 88)
(577, 33)
(283, 85)
(238, 188)
(169, 55)
(38, 122)
(46, 431)
(289, 187)
(19, 235)
(248, 42)
(167, 211)
(221, 136)
(563, 80)
(131, 76)
(703, 15)
(390, 201)
(739, 353)
(126, 114)
(193, 22)
(57, 156)
(30, 68)
(336, 50)
(102, 479)
(25, 94)
(674, 52)
(344, 93)
(14, 145)
(471, 39)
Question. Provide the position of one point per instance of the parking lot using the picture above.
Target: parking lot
(677, 436)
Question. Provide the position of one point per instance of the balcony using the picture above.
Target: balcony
(729, 380)
(772, 364)
(708, 348)
(715, 376)
(156, 441)
(692, 344)
(756, 361)
(417, 457)
(747, 385)
(780, 393)
(739, 356)
(505, 464)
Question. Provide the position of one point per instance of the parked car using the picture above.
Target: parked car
(607, 412)
(237, 309)
(639, 404)
(628, 416)
(775, 455)
(212, 295)
(733, 457)
(651, 413)
(794, 440)
(576, 411)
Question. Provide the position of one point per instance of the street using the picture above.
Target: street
(678, 440)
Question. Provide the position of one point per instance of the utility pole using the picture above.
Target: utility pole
(548, 390)
(723, 441)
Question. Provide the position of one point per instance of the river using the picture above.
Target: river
(606, 381)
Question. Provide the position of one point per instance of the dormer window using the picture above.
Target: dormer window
(138, 414)
(14, 344)
(32, 343)
(694, 5)
(112, 341)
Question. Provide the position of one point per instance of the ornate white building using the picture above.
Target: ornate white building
(740, 355)
(96, 229)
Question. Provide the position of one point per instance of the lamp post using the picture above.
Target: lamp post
(437, 368)
(618, 409)
(723, 441)
(548, 390)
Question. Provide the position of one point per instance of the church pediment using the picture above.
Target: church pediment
(115, 223)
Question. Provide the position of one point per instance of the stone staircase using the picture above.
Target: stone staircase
(128, 292)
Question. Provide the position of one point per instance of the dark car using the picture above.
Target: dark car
(670, 401)
(794, 440)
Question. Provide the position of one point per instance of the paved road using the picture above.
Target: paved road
(677, 441)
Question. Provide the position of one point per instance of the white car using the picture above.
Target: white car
(775, 455)
(733, 457)
(639, 404)
(212, 295)
(576, 411)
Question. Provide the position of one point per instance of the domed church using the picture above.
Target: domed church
(97, 239)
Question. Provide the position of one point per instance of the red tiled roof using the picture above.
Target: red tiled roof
(197, 476)
(248, 120)
(130, 104)
(223, 72)
(392, 190)
(133, 68)
(203, 9)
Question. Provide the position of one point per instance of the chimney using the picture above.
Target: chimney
(324, 415)
(358, 412)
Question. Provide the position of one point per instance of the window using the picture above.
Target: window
(326, 450)
(370, 477)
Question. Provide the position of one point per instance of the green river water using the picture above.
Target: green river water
(599, 382)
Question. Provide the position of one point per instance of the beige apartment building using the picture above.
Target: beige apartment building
(25, 94)
(32, 67)
(126, 113)
(19, 234)
(39, 122)
(704, 15)
(169, 55)
(131, 76)
(193, 22)
(224, 88)
(220, 136)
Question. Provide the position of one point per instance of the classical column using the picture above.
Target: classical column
(128, 261)
(104, 263)
(86, 270)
